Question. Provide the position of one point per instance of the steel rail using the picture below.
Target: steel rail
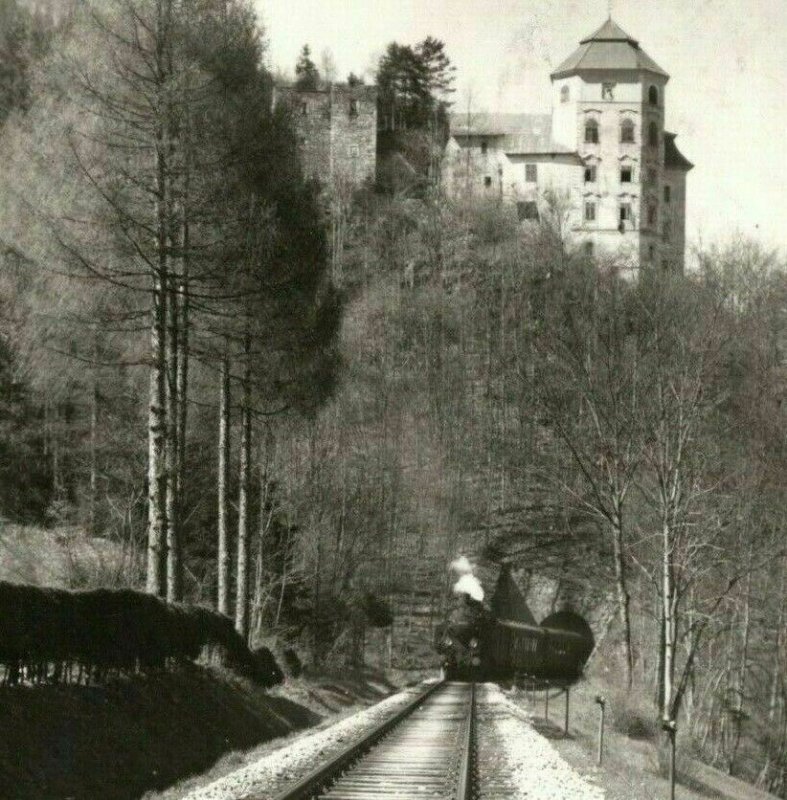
(464, 790)
(313, 782)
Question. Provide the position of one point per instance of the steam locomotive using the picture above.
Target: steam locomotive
(506, 643)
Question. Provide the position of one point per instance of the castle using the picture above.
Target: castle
(602, 152)
(336, 125)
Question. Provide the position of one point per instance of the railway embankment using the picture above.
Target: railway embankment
(140, 736)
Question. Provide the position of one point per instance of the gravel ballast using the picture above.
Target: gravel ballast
(515, 762)
(274, 772)
(536, 771)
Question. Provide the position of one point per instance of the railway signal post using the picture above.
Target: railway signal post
(601, 700)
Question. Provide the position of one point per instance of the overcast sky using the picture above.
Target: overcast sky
(726, 100)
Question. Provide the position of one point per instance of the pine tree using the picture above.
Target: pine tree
(307, 76)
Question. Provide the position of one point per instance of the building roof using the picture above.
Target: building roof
(483, 124)
(673, 158)
(610, 47)
(519, 134)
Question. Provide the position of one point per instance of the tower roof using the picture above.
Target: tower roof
(673, 158)
(610, 47)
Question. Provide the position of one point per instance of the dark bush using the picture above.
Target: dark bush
(292, 662)
(268, 670)
(113, 629)
(377, 612)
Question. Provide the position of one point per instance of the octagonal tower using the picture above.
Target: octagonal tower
(608, 101)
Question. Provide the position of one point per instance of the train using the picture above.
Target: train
(505, 643)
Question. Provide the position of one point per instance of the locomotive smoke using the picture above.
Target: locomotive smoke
(467, 582)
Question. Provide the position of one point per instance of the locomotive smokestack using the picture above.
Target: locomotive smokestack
(467, 583)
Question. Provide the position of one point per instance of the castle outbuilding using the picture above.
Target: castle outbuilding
(602, 156)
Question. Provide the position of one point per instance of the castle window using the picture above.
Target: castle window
(304, 108)
(353, 107)
(531, 173)
(667, 229)
(667, 194)
(626, 174)
(651, 214)
(607, 91)
(565, 93)
(527, 210)
(590, 212)
(653, 96)
(627, 131)
(484, 148)
(591, 132)
(653, 134)
(664, 264)
(487, 181)
(625, 213)
(588, 248)
(651, 252)
(652, 178)
(590, 173)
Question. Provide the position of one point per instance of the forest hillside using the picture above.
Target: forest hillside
(299, 408)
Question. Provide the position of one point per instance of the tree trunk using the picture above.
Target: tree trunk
(244, 526)
(157, 472)
(180, 344)
(157, 422)
(624, 603)
(778, 662)
(742, 669)
(93, 497)
(174, 555)
(668, 622)
(223, 557)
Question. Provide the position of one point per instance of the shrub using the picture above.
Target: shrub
(267, 669)
(114, 629)
(633, 716)
(292, 662)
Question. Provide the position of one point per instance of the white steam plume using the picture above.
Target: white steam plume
(469, 584)
(461, 566)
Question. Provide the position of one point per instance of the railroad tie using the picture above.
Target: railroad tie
(419, 758)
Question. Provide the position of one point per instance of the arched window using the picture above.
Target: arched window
(591, 132)
(627, 131)
(653, 134)
(653, 96)
(565, 93)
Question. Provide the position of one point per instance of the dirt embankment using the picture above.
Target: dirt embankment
(119, 741)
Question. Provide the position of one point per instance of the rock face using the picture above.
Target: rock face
(337, 130)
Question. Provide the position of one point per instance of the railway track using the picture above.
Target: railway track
(425, 751)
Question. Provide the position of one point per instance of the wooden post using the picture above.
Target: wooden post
(565, 724)
(671, 728)
(601, 704)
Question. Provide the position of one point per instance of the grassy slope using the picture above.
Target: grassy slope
(120, 741)
(629, 770)
(59, 557)
(117, 741)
